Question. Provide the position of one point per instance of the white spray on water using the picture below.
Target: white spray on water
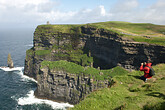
(30, 99)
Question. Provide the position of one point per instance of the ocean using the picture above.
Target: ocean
(16, 89)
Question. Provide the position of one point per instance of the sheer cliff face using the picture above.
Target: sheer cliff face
(112, 50)
(123, 53)
(66, 87)
(107, 48)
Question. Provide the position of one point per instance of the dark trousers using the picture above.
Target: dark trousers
(143, 78)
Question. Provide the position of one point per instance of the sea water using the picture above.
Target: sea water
(16, 89)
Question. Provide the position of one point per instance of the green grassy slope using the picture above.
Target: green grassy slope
(139, 32)
(73, 68)
(134, 28)
(129, 93)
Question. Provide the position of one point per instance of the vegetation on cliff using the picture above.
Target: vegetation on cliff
(56, 28)
(29, 52)
(129, 92)
(139, 32)
(77, 48)
(65, 42)
(73, 68)
(42, 52)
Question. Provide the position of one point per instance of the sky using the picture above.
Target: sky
(30, 13)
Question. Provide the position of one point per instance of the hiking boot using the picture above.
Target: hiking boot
(145, 80)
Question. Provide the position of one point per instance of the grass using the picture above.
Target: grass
(63, 65)
(42, 52)
(152, 40)
(73, 68)
(29, 52)
(73, 55)
(56, 28)
(80, 58)
(134, 28)
(129, 93)
(135, 31)
(115, 71)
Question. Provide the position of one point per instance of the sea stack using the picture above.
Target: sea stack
(10, 61)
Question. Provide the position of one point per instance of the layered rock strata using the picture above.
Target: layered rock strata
(66, 87)
(108, 49)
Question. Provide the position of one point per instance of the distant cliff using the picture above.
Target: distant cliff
(87, 46)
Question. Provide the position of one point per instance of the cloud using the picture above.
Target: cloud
(40, 11)
(130, 10)
(35, 12)
(27, 11)
(123, 6)
(97, 14)
(153, 14)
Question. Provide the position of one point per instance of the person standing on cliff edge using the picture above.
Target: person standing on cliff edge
(147, 68)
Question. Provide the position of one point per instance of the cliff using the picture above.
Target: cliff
(129, 93)
(90, 46)
(56, 81)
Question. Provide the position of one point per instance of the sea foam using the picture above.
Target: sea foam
(12, 69)
(30, 45)
(26, 78)
(31, 99)
(20, 72)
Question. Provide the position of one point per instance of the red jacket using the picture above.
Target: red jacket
(146, 70)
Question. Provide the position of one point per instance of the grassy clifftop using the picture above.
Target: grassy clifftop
(56, 28)
(134, 28)
(139, 32)
(73, 68)
(129, 93)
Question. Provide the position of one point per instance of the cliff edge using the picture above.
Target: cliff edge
(90, 47)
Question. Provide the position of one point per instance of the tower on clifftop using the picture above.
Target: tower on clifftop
(47, 23)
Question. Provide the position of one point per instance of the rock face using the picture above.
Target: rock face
(108, 49)
(10, 61)
(112, 50)
(66, 87)
(123, 53)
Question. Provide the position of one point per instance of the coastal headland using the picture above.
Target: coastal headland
(70, 62)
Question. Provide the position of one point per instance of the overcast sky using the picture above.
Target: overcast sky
(30, 13)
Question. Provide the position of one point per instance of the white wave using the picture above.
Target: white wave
(20, 69)
(31, 99)
(12, 69)
(30, 45)
(26, 78)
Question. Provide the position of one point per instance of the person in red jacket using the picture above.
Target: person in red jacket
(145, 67)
